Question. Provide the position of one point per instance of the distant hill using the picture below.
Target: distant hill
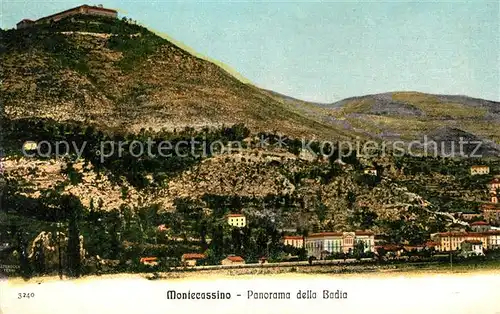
(412, 115)
(121, 76)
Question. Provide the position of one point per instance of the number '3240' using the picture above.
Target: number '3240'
(28, 295)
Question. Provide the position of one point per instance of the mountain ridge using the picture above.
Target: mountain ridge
(122, 76)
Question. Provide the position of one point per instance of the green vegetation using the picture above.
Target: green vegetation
(433, 107)
(119, 163)
(134, 41)
(358, 106)
(135, 48)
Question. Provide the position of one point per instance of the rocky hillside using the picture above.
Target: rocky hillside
(121, 76)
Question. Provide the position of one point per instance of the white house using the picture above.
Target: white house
(322, 244)
(237, 220)
(479, 170)
(370, 171)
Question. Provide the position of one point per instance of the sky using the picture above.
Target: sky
(325, 51)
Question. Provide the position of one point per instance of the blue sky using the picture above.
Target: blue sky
(326, 51)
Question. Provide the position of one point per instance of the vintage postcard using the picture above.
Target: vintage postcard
(249, 156)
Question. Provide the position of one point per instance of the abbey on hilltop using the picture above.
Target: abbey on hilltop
(83, 9)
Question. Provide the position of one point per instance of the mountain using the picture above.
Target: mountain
(121, 76)
(412, 115)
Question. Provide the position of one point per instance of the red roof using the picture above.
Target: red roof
(337, 234)
(98, 8)
(494, 181)
(477, 167)
(193, 256)
(431, 244)
(453, 234)
(412, 247)
(389, 247)
(293, 238)
(364, 233)
(473, 241)
(235, 258)
(77, 8)
(480, 223)
(235, 215)
(148, 259)
(325, 234)
(469, 234)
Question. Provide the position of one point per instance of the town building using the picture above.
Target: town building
(295, 241)
(83, 9)
(233, 260)
(30, 146)
(322, 244)
(480, 226)
(493, 240)
(237, 220)
(150, 261)
(25, 23)
(190, 259)
(468, 216)
(370, 171)
(494, 197)
(431, 245)
(414, 248)
(394, 250)
(494, 184)
(472, 247)
(479, 170)
(491, 213)
(494, 187)
(452, 241)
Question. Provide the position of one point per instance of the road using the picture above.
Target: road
(280, 264)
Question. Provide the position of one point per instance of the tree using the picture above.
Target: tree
(39, 259)
(364, 218)
(380, 253)
(114, 232)
(359, 249)
(74, 207)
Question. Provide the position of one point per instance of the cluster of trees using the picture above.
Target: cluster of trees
(19, 232)
(258, 238)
